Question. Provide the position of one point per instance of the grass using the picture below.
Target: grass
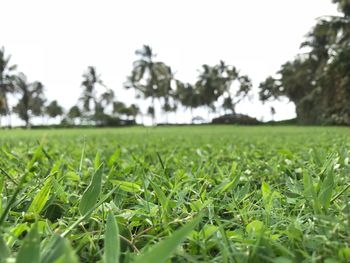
(185, 194)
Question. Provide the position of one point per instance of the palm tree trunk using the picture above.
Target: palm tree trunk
(9, 120)
(191, 115)
(208, 114)
(154, 112)
(8, 113)
(26, 119)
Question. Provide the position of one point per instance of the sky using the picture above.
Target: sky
(55, 41)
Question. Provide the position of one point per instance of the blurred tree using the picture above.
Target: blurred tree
(222, 81)
(31, 102)
(107, 98)
(228, 104)
(343, 6)
(150, 112)
(152, 79)
(101, 104)
(134, 110)
(273, 112)
(187, 95)
(54, 110)
(74, 113)
(118, 108)
(6, 83)
(121, 110)
(296, 81)
(89, 97)
(127, 111)
(317, 81)
(209, 86)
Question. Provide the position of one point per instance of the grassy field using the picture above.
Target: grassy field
(189, 194)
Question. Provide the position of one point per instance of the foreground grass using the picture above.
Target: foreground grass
(216, 193)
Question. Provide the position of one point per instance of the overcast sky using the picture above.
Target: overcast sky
(55, 41)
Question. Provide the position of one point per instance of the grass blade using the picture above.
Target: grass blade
(41, 198)
(68, 254)
(30, 250)
(53, 250)
(326, 190)
(127, 186)
(1, 189)
(82, 158)
(112, 242)
(92, 192)
(340, 193)
(4, 250)
(163, 200)
(310, 192)
(164, 249)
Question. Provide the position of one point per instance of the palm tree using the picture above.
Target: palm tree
(244, 87)
(106, 99)
(134, 110)
(6, 83)
(101, 104)
(148, 77)
(187, 95)
(273, 112)
(166, 92)
(210, 86)
(229, 76)
(38, 106)
(150, 112)
(31, 102)
(217, 81)
(89, 97)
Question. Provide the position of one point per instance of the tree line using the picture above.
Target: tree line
(316, 81)
(218, 87)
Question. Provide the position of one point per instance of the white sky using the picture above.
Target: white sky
(55, 41)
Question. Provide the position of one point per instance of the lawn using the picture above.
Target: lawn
(189, 194)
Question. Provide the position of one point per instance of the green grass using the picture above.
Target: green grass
(185, 194)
